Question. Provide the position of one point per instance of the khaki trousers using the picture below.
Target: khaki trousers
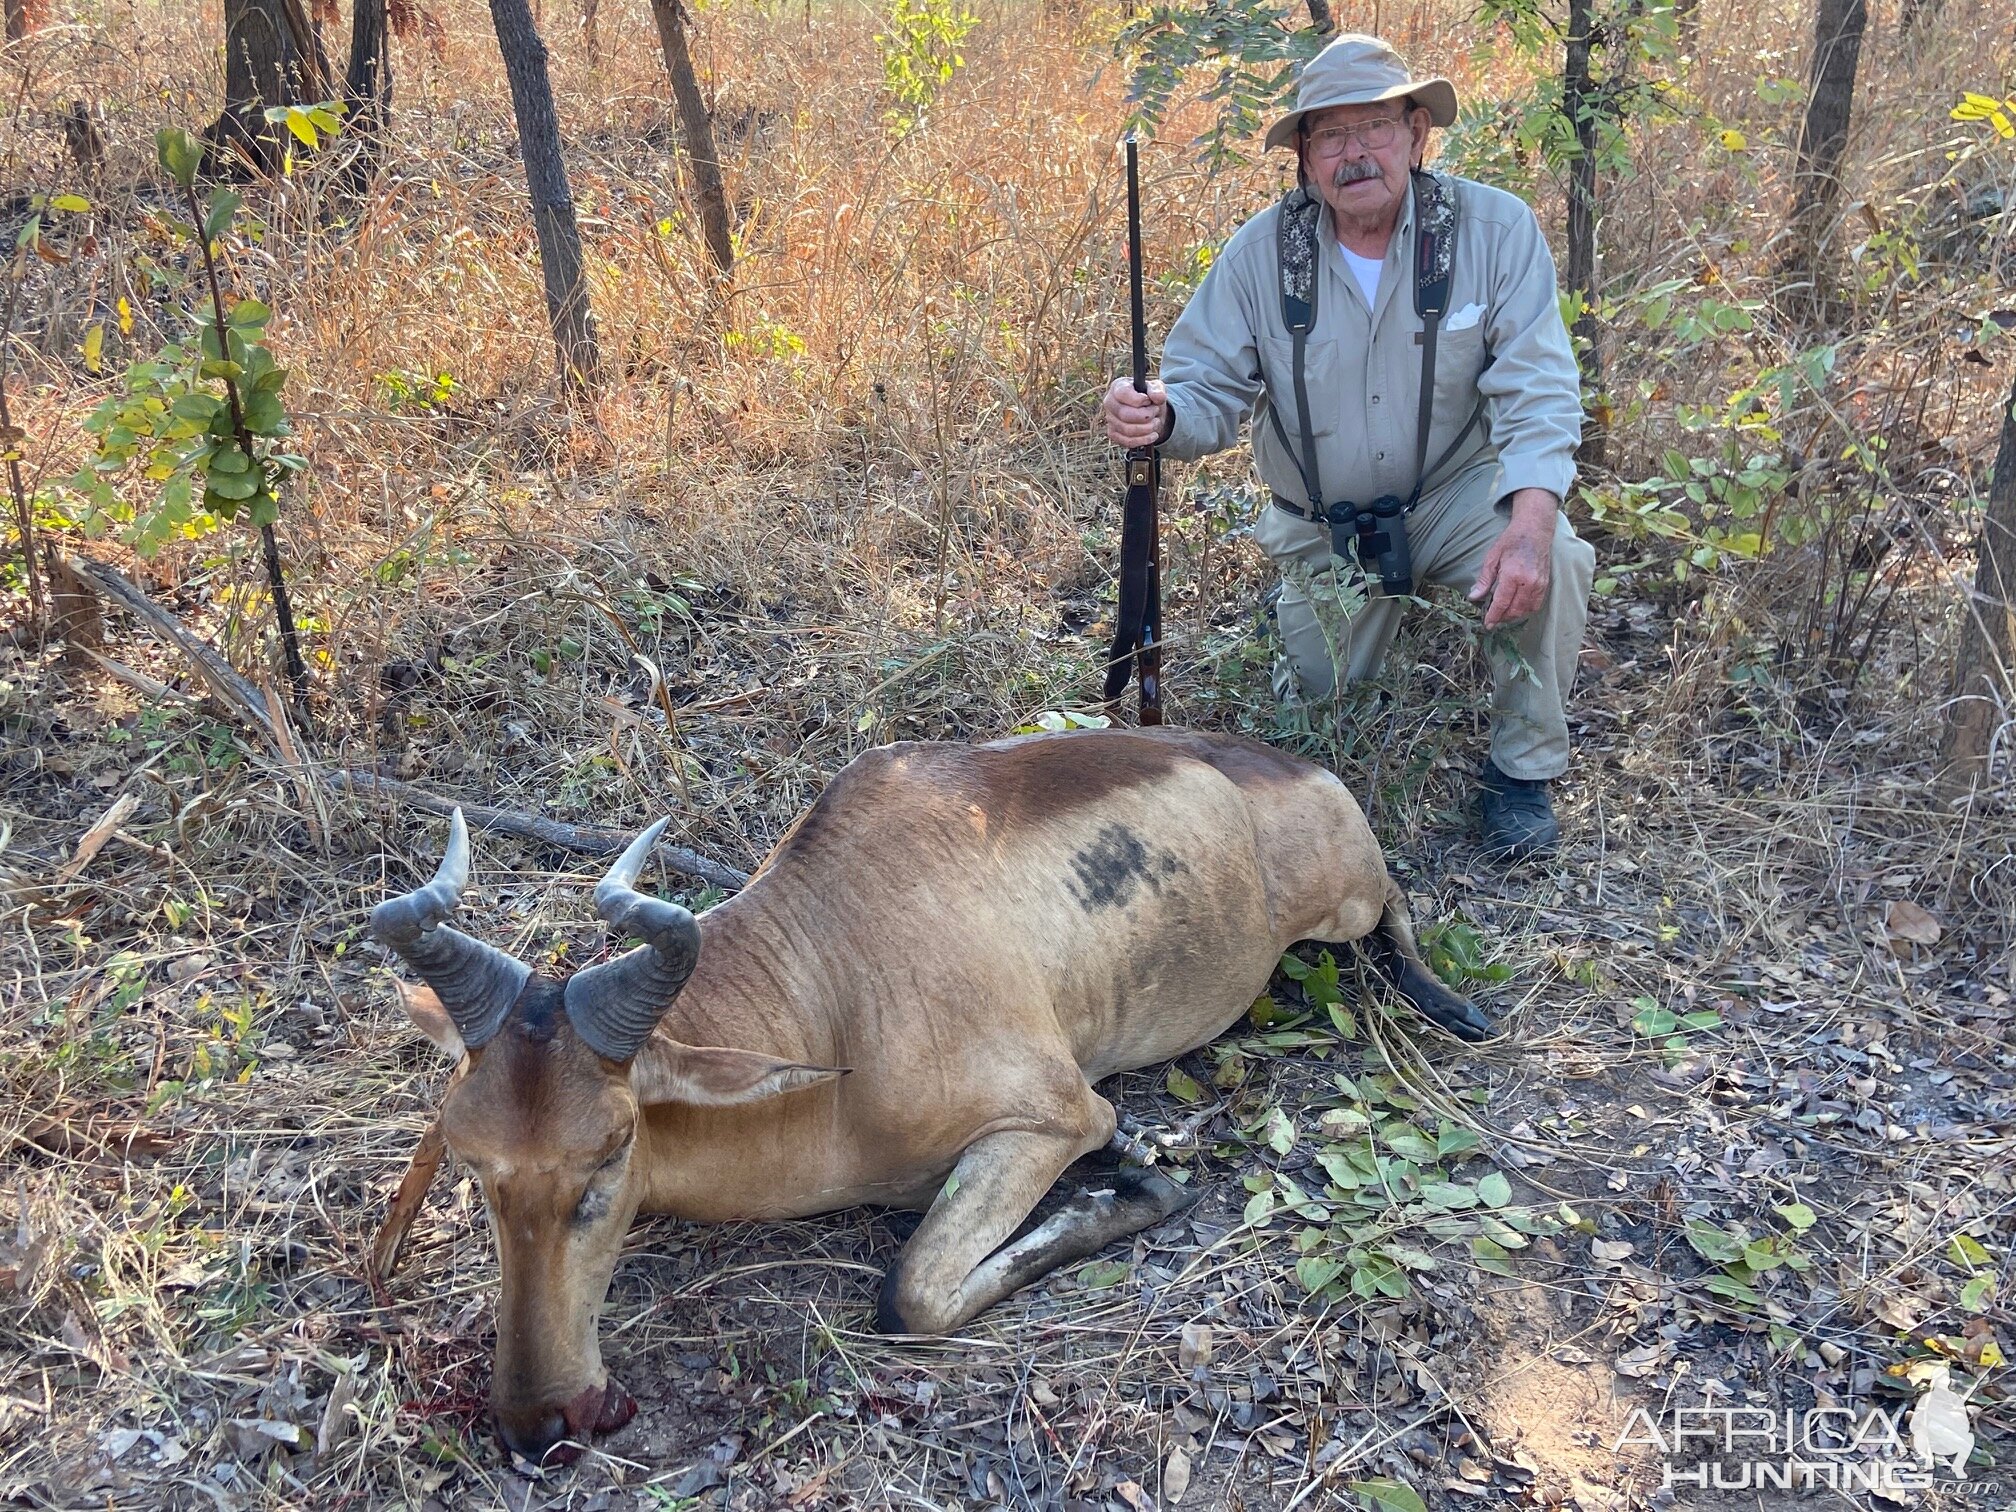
(1448, 534)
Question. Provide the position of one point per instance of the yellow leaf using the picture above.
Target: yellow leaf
(299, 124)
(94, 347)
(1734, 140)
(2000, 114)
(125, 317)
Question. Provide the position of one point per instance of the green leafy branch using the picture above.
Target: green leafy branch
(201, 426)
(1639, 42)
(1392, 1190)
(1250, 51)
(1731, 502)
(1392, 1187)
(1745, 1260)
(920, 53)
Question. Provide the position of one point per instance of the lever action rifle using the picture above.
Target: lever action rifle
(1137, 630)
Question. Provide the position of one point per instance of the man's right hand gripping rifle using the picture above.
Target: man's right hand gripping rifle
(1134, 419)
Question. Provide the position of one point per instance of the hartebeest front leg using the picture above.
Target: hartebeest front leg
(956, 1264)
(1133, 1199)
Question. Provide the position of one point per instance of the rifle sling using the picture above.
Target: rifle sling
(1137, 618)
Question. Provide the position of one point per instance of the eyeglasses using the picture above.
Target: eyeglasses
(1374, 136)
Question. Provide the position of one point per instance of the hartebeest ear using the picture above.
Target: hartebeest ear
(429, 1017)
(665, 1071)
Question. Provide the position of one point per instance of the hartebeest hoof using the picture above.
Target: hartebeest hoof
(1425, 994)
(1132, 1200)
(1149, 1196)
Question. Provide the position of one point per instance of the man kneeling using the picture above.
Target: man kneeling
(1417, 407)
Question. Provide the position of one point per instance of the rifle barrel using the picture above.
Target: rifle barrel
(1139, 310)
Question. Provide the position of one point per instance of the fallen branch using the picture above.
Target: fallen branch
(587, 840)
(138, 681)
(94, 838)
(217, 673)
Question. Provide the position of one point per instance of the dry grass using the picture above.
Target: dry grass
(865, 505)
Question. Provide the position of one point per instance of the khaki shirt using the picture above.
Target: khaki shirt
(1230, 353)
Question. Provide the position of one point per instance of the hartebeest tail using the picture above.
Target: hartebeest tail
(922, 982)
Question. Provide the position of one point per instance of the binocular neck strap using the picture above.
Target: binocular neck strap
(1300, 276)
(1434, 266)
(1295, 255)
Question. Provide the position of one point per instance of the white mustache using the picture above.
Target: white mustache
(1354, 172)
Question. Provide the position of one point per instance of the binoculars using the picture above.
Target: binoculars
(1378, 534)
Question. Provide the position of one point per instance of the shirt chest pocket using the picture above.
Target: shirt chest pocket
(1322, 377)
(1460, 357)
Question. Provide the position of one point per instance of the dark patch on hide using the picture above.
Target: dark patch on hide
(1115, 867)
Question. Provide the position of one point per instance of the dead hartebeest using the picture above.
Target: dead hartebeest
(923, 981)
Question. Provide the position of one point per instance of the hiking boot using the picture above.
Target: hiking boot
(1517, 817)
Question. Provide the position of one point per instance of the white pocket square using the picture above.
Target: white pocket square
(1464, 318)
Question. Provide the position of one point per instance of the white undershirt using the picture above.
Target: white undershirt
(1366, 270)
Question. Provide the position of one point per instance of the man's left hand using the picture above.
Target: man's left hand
(1519, 566)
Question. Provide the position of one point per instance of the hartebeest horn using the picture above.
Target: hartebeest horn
(615, 1006)
(476, 983)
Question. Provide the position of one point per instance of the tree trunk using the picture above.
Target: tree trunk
(696, 134)
(567, 302)
(1579, 101)
(1322, 17)
(21, 17)
(367, 84)
(272, 56)
(1918, 17)
(1823, 136)
(367, 87)
(1982, 681)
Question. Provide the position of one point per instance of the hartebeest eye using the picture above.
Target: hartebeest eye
(602, 1183)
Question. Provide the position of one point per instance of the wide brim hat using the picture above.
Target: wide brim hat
(1359, 70)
